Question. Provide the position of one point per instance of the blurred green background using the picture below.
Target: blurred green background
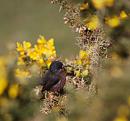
(27, 19)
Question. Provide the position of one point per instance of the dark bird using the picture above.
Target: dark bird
(55, 78)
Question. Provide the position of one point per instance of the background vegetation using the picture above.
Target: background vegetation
(98, 81)
(28, 19)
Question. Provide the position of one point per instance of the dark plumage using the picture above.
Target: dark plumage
(55, 78)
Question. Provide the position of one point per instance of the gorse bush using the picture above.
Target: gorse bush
(97, 79)
(16, 99)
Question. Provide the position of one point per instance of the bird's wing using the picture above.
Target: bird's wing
(62, 77)
(44, 79)
(51, 81)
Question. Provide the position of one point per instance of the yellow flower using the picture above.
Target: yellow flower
(13, 91)
(22, 53)
(113, 21)
(42, 53)
(54, 53)
(78, 62)
(3, 85)
(48, 63)
(26, 45)
(40, 49)
(50, 43)
(83, 58)
(84, 73)
(20, 61)
(34, 55)
(123, 15)
(23, 47)
(3, 75)
(48, 53)
(93, 23)
(41, 62)
(41, 40)
(98, 4)
(120, 119)
(19, 47)
(82, 54)
(84, 6)
(47, 49)
(23, 50)
(77, 73)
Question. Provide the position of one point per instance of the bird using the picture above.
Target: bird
(55, 78)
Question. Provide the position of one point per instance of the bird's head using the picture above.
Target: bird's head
(56, 66)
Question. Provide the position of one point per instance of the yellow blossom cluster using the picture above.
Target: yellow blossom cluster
(94, 22)
(7, 87)
(84, 6)
(83, 58)
(82, 61)
(12, 92)
(42, 53)
(3, 76)
(100, 4)
(115, 21)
